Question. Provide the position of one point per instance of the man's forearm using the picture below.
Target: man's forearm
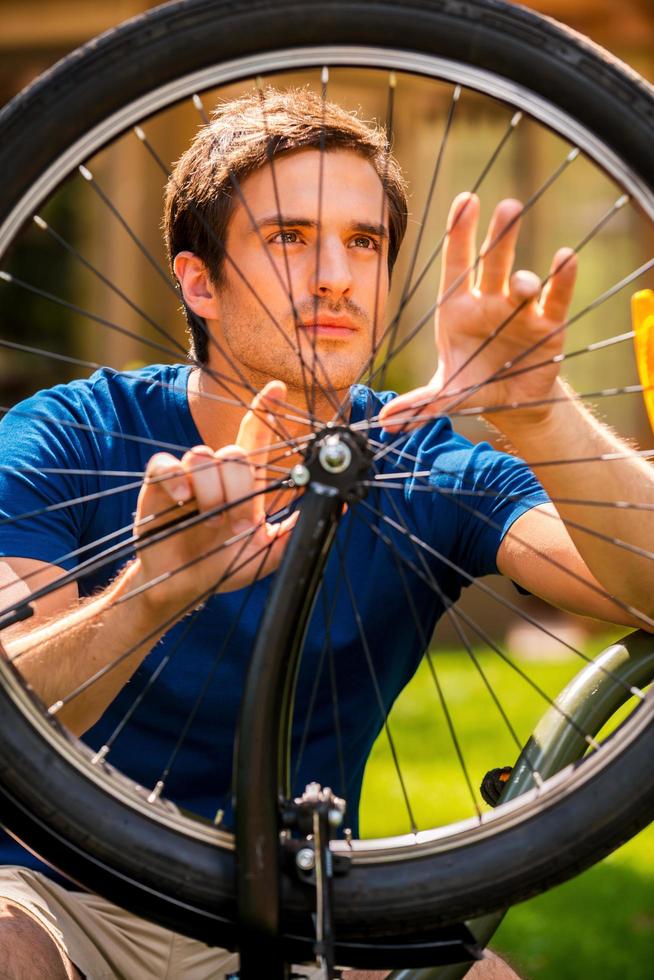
(567, 431)
(58, 657)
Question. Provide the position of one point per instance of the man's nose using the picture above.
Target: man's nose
(333, 276)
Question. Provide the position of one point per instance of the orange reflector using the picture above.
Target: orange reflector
(642, 316)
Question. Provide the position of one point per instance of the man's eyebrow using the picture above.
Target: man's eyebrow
(363, 228)
(285, 221)
(289, 221)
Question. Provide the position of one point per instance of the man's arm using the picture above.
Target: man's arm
(538, 554)
(68, 642)
(57, 653)
(614, 558)
(477, 298)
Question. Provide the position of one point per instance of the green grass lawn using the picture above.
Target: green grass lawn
(601, 924)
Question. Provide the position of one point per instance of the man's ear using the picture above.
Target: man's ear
(195, 282)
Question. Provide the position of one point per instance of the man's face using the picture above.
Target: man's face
(329, 252)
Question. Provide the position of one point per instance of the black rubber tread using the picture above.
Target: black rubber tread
(93, 837)
(558, 840)
(187, 884)
(180, 37)
(193, 880)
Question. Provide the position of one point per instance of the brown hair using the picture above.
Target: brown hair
(244, 135)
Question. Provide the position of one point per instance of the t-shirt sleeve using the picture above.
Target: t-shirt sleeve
(40, 450)
(489, 491)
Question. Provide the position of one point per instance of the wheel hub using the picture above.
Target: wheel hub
(338, 461)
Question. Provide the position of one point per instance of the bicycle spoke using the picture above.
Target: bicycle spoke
(55, 708)
(452, 614)
(601, 458)
(106, 747)
(460, 395)
(461, 278)
(515, 120)
(111, 325)
(476, 412)
(480, 585)
(74, 308)
(378, 334)
(390, 108)
(161, 782)
(496, 331)
(141, 440)
(324, 80)
(634, 549)
(170, 621)
(589, 739)
(77, 255)
(338, 734)
(287, 287)
(570, 355)
(488, 166)
(123, 488)
(155, 382)
(141, 136)
(179, 348)
(329, 613)
(88, 176)
(104, 750)
(406, 289)
(531, 463)
(287, 270)
(384, 482)
(375, 683)
(424, 640)
(508, 365)
(136, 543)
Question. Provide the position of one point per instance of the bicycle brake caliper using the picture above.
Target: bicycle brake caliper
(317, 815)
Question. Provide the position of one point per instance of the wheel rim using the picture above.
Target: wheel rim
(315, 57)
(401, 61)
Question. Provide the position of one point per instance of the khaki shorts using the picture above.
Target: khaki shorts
(107, 943)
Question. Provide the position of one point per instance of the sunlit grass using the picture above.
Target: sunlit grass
(601, 924)
(437, 788)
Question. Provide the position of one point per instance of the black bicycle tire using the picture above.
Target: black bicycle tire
(188, 885)
(585, 82)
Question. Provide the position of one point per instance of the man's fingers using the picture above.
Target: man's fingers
(202, 473)
(524, 285)
(498, 251)
(238, 482)
(165, 484)
(415, 404)
(164, 475)
(258, 428)
(223, 477)
(558, 293)
(257, 431)
(459, 249)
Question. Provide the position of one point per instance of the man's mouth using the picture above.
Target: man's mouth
(334, 328)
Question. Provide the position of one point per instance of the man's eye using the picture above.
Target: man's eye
(365, 241)
(285, 238)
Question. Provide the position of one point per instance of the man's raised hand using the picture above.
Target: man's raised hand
(489, 316)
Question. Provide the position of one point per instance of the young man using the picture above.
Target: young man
(283, 222)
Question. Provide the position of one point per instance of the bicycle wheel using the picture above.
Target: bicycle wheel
(94, 823)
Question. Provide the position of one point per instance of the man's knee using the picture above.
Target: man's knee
(27, 950)
(492, 967)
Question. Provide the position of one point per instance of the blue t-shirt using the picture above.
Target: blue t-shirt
(89, 441)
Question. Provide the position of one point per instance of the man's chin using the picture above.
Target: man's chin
(325, 375)
(321, 375)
